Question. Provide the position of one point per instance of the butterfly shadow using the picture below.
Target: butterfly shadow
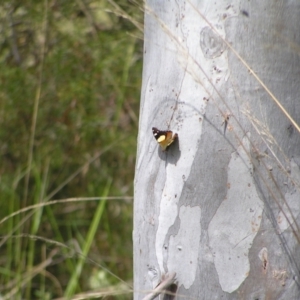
(172, 153)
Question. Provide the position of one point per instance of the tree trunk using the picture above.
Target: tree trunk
(221, 206)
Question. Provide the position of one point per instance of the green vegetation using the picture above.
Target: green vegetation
(70, 86)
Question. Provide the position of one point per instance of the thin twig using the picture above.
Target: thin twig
(161, 287)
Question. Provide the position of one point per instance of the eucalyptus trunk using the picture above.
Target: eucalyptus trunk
(220, 208)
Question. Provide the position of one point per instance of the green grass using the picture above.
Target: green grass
(70, 86)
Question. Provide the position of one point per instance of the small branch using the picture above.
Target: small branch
(161, 287)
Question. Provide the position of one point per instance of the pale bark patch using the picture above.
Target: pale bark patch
(236, 222)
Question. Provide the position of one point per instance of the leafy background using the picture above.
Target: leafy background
(70, 86)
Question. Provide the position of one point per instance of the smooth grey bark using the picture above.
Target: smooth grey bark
(220, 208)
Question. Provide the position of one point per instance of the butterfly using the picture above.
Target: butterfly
(164, 138)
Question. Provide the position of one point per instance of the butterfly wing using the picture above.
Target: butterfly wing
(164, 138)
